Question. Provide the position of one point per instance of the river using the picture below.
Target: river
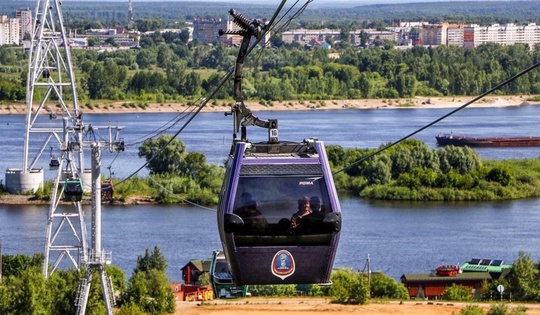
(400, 237)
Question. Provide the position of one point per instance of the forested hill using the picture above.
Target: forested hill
(480, 12)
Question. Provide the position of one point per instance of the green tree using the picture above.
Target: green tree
(194, 163)
(149, 288)
(348, 287)
(104, 78)
(500, 175)
(151, 260)
(461, 159)
(26, 293)
(525, 279)
(145, 58)
(163, 154)
(383, 286)
(378, 170)
(273, 290)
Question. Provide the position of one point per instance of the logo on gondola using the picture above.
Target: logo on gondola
(283, 264)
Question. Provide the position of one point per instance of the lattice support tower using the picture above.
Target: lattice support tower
(50, 94)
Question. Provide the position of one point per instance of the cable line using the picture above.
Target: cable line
(225, 78)
(498, 86)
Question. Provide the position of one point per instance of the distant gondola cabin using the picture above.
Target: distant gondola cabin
(107, 191)
(73, 189)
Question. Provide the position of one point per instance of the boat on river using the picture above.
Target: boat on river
(459, 140)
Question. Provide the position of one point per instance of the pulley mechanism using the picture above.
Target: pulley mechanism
(249, 29)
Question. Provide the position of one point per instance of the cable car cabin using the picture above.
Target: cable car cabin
(265, 238)
(221, 279)
(73, 189)
(107, 191)
(54, 163)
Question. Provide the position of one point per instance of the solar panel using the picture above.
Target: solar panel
(485, 262)
(497, 262)
(475, 261)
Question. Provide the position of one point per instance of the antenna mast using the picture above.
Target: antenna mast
(130, 24)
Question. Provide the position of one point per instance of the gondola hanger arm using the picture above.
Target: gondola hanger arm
(249, 29)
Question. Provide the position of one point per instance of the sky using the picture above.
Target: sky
(315, 2)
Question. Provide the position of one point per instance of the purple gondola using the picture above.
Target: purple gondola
(270, 232)
(260, 194)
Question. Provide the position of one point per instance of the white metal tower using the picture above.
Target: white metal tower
(51, 93)
(131, 23)
(51, 78)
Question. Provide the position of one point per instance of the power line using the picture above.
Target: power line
(225, 78)
(498, 86)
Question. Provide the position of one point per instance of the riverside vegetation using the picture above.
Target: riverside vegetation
(410, 170)
(24, 289)
(169, 69)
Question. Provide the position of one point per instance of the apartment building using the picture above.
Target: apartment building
(454, 36)
(462, 35)
(509, 34)
(309, 37)
(9, 31)
(116, 34)
(207, 30)
(25, 22)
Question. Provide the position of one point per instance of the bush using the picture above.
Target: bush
(471, 310)
(457, 293)
(383, 286)
(349, 287)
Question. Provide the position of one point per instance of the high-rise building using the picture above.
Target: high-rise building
(9, 31)
(509, 34)
(25, 23)
(207, 30)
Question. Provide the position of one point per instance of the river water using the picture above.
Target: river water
(400, 237)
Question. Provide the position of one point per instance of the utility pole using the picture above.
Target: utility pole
(367, 268)
(0, 262)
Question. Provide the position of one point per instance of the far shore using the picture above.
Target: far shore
(225, 106)
(110, 107)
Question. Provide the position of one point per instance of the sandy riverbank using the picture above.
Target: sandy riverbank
(308, 306)
(224, 106)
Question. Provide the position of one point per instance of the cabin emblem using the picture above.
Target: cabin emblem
(283, 264)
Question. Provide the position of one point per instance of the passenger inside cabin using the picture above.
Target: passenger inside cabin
(316, 206)
(310, 215)
(304, 209)
(253, 218)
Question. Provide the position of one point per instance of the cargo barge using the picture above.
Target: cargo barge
(457, 140)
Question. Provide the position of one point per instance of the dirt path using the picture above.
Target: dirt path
(309, 306)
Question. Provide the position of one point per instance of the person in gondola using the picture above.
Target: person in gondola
(253, 218)
(304, 209)
(316, 207)
(309, 216)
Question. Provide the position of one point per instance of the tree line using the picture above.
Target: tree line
(413, 171)
(24, 289)
(410, 170)
(168, 69)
